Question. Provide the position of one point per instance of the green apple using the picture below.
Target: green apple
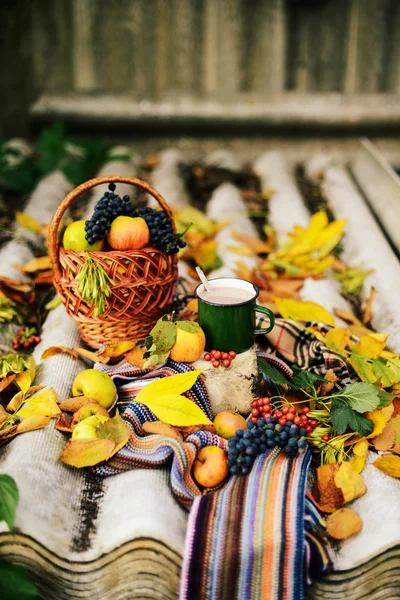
(88, 428)
(74, 238)
(97, 385)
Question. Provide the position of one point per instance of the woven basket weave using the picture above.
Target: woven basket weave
(143, 280)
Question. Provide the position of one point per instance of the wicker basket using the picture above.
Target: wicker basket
(144, 280)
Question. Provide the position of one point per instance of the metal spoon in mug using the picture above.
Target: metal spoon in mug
(203, 278)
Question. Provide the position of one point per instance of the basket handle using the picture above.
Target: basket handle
(84, 187)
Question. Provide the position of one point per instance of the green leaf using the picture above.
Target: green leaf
(362, 397)
(363, 368)
(382, 373)
(189, 326)
(342, 416)
(175, 409)
(385, 398)
(305, 379)
(8, 500)
(15, 583)
(393, 366)
(275, 375)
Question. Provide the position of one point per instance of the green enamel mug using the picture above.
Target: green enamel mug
(227, 314)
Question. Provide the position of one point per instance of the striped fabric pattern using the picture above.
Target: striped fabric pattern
(246, 541)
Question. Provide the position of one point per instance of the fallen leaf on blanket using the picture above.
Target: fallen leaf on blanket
(92, 356)
(27, 222)
(256, 246)
(135, 357)
(116, 430)
(349, 482)
(56, 301)
(379, 421)
(368, 306)
(44, 403)
(63, 424)
(35, 388)
(160, 428)
(75, 403)
(388, 411)
(175, 409)
(3, 414)
(384, 441)
(175, 384)
(189, 429)
(343, 523)
(360, 450)
(7, 434)
(303, 311)
(32, 423)
(330, 496)
(117, 349)
(23, 380)
(37, 264)
(93, 408)
(389, 464)
(369, 346)
(15, 402)
(53, 350)
(86, 453)
(325, 388)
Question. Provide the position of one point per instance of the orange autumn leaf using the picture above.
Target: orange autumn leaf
(389, 464)
(5, 381)
(325, 388)
(7, 434)
(243, 271)
(53, 350)
(330, 496)
(135, 357)
(44, 278)
(43, 263)
(386, 439)
(63, 424)
(74, 404)
(3, 414)
(343, 523)
(193, 305)
(15, 284)
(388, 411)
(349, 482)
(368, 306)
(160, 428)
(256, 246)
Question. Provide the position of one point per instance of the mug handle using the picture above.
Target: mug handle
(270, 315)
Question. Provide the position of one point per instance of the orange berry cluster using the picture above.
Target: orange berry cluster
(217, 358)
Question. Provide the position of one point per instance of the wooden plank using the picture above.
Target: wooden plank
(229, 47)
(83, 61)
(210, 47)
(391, 81)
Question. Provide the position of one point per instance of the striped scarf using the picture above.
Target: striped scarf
(256, 538)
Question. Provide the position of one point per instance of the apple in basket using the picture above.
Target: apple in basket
(128, 233)
(210, 466)
(74, 238)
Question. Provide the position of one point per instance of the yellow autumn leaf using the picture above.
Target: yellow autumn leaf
(340, 336)
(349, 482)
(303, 311)
(32, 423)
(360, 454)
(176, 384)
(56, 301)
(331, 236)
(53, 350)
(175, 409)
(117, 349)
(45, 403)
(255, 246)
(43, 263)
(379, 421)
(370, 346)
(23, 380)
(86, 452)
(389, 464)
(27, 222)
(240, 250)
(114, 429)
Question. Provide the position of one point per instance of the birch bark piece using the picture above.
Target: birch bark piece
(364, 245)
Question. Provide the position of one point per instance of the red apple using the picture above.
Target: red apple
(211, 466)
(227, 423)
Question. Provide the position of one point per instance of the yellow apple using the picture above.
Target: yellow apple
(211, 466)
(97, 385)
(189, 343)
(227, 422)
(74, 238)
(88, 428)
